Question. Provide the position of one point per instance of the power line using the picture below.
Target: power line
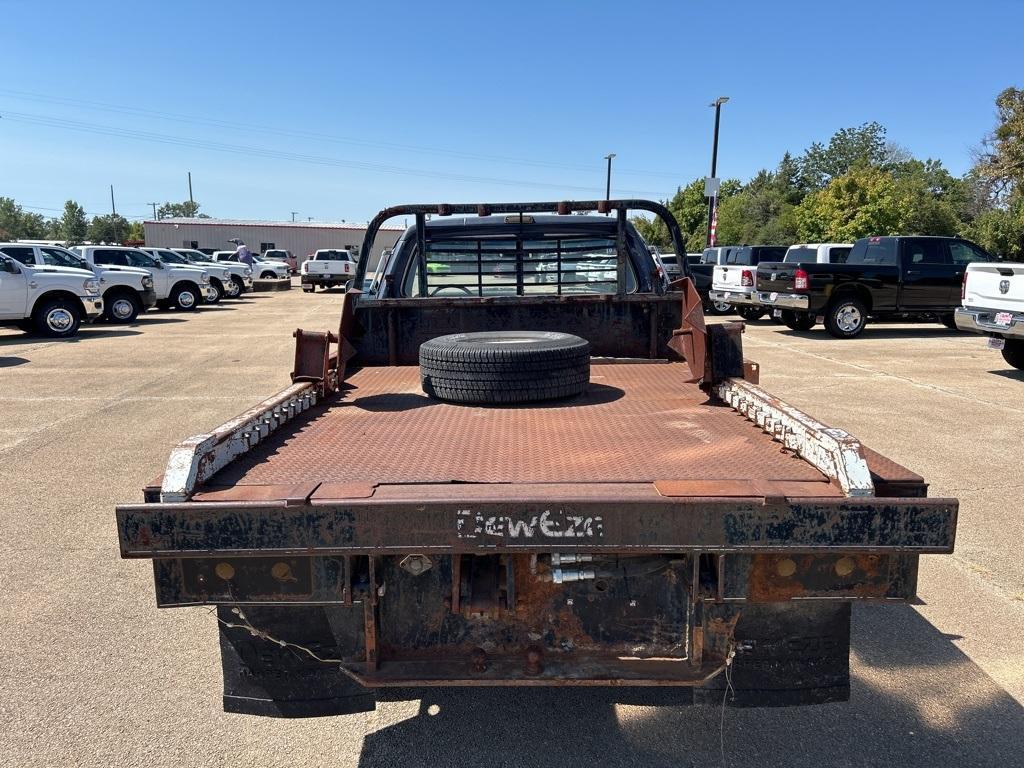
(104, 130)
(256, 128)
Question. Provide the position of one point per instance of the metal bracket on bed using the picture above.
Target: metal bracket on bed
(198, 458)
(836, 453)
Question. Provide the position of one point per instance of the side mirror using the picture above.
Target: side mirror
(8, 265)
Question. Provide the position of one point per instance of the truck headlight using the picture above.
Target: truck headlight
(204, 279)
(90, 286)
(147, 281)
(247, 272)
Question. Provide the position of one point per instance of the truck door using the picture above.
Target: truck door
(13, 290)
(961, 254)
(927, 273)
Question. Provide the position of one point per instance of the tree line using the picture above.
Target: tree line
(74, 226)
(861, 184)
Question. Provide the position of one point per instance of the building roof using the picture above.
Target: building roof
(256, 223)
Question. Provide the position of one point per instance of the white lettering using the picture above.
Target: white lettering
(549, 525)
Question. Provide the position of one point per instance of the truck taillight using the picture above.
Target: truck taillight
(801, 282)
(963, 287)
(747, 279)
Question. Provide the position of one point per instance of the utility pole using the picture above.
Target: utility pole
(608, 179)
(113, 214)
(713, 199)
(154, 209)
(191, 202)
(293, 215)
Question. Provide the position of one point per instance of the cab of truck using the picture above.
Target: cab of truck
(48, 300)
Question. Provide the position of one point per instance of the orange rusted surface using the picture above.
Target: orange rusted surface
(781, 577)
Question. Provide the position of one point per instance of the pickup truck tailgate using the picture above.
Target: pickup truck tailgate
(314, 267)
(776, 276)
(729, 277)
(995, 286)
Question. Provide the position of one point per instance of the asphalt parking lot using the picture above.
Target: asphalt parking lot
(96, 675)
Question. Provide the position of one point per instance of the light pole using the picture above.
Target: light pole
(713, 200)
(608, 179)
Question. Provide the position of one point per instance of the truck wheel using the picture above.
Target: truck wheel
(1013, 353)
(185, 297)
(57, 318)
(268, 275)
(846, 318)
(797, 321)
(237, 287)
(751, 313)
(218, 291)
(504, 367)
(121, 307)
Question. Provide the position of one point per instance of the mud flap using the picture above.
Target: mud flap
(787, 654)
(264, 678)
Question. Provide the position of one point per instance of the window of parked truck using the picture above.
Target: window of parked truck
(740, 256)
(110, 257)
(55, 257)
(23, 254)
(926, 251)
(873, 250)
(501, 266)
(798, 255)
(966, 253)
(838, 255)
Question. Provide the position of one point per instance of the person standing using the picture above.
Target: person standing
(243, 253)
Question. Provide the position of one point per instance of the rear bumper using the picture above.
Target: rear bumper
(983, 321)
(734, 297)
(798, 301)
(321, 279)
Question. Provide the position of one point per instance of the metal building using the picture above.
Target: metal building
(301, 238)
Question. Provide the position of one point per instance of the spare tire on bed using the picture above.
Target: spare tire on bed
(504, 367)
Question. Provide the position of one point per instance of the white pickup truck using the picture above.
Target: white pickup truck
(993, 304)
(52, 301)
(219, 275)
(734, 280)
(126, 291)
(239, 275)
(178, 287)
(328, 267)
(264, 270)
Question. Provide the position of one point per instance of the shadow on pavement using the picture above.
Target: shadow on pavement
(11, 362)
(1010, 373)
(917, 700)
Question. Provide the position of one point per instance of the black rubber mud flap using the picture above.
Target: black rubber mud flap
(787, 654)
(263, 678)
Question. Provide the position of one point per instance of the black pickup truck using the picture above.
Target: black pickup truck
(882, 277)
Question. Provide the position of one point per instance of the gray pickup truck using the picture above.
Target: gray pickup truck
(521, 459)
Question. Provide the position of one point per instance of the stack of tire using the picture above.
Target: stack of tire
(504, 367)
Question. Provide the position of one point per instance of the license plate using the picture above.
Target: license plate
(1004, 319)
(994, 342)
(773, 296)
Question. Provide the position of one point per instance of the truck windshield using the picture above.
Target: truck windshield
(172, 257)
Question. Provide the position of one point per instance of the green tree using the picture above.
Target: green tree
(848, 147)
(16, 222)
(186, 210)
(1001, 230)
(111, 228)
(72, 225)
(136, 232)
(1002, 159)
(690, 208)
(864, 201)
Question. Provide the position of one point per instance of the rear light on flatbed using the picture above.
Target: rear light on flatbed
(747, 279)
(801, 281)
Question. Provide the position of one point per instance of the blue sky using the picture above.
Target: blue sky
(335, 109)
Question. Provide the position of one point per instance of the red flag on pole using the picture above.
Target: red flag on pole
(714, 222)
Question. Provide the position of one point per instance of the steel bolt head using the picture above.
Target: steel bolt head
(785, 567)
(225, 571)
(845, 566)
